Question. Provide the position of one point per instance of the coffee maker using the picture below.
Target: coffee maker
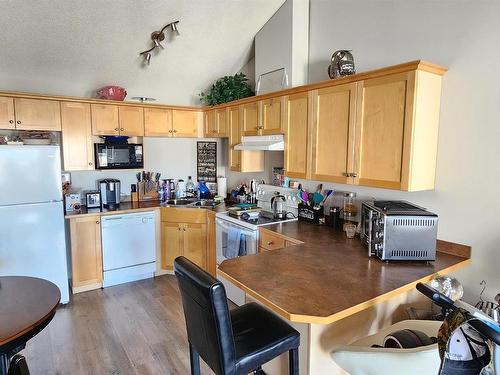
(110, 192)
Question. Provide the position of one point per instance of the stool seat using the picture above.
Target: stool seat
(260, 336)
(230, 342)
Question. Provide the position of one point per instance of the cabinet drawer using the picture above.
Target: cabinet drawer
(268, 241)
(183, 215)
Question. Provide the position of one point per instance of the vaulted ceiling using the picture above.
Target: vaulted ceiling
(73, 47)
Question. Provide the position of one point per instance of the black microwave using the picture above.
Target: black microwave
(118, 156)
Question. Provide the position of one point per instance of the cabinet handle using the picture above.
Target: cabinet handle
(345, 174)
(175, 131)
(18, 121)
(11, 121)
(90, 163)
(97, 222)
(117, 129)
(269, 243)
(121, 129)
(354, 175)
(170, 131)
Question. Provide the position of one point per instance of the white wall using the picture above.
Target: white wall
(462, 35)
(173, 158)
(283, 43)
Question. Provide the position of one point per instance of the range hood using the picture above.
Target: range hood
(262, 143)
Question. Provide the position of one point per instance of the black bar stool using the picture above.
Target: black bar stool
(233, 342)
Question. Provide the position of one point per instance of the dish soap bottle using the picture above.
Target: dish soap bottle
(181, 189)
(203, 190)
(190, 189)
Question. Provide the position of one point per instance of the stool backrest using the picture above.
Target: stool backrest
(208, 321)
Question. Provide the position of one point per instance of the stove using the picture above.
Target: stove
(265, 217)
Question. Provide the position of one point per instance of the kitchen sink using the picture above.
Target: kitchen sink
(179, 202)
(202, 203)
(210, 203)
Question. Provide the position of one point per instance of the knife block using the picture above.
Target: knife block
(147, 191)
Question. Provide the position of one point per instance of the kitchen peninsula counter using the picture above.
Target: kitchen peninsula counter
(329, 277)
(331, 291)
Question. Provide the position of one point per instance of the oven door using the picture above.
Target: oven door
(118, 156)
(233, 240)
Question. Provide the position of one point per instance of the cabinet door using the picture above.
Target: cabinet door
(171, 243)
(222, 123)
(211, 249)
(250, 119)
(131, 120)
(332, 133)
(7, 120)
(78, 153)
(37, 114)
(157, 122)
(86, 253)
(105, 119)
(296, 131)
(195, 243)
(271, 116)
(234, 138)
(210, 124)
(186, 123)
(384, 113)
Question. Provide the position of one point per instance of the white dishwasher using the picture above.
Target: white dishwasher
(128, 247)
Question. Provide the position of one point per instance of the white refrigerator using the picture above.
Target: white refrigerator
(32, 234)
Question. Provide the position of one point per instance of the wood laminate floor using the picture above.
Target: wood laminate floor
(133, 328)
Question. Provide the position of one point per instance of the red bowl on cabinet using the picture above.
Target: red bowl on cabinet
(112, 93)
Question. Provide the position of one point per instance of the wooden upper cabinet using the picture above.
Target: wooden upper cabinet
(131, 120)
(78, 153)
(157, 122)
(222, 122)
(86, 253)
(234, 138)
(186, 123)
(210, 123)
(271, 116)
(332, 133)
(7, 118)
(296, 135)
(105, 119)
(384, 117)
(250, 119)
(37, 114)
(195, 243)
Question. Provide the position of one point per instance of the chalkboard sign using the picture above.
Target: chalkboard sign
(207, 161)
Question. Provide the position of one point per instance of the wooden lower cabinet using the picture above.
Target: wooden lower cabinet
(211, 243)
(184, 232)
(269, 241)
(86, 253)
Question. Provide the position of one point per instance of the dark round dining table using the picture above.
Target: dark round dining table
(27, 305)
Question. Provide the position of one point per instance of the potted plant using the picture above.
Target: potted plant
(226, 89)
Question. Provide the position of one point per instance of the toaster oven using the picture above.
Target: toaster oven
(398, 230)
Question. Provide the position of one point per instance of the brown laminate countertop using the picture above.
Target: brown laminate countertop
(128, 207)
(329, 277)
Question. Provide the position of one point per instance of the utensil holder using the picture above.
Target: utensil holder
(310, 213)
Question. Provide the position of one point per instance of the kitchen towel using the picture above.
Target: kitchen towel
(222, 186)
(233, 243)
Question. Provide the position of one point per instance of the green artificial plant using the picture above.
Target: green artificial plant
(226, 89)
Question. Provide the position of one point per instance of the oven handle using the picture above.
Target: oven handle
(225, 225)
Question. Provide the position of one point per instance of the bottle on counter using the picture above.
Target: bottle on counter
(190, 188)
(180, 192)
(203, 190)
(171, 189)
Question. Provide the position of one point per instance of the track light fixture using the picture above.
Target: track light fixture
(157, 37)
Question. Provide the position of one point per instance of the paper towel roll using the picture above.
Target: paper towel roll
(222, 186)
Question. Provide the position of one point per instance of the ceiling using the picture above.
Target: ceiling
(73, 47)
